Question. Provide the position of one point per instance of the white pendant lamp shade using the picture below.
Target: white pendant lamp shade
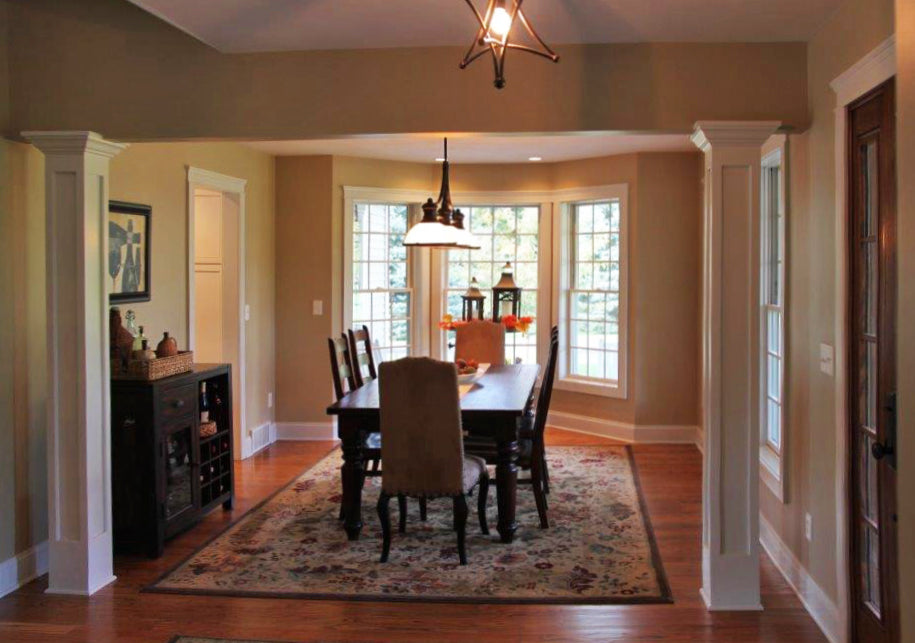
(465, 239)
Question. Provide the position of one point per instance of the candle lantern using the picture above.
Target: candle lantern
(506, 296)
(473, 299)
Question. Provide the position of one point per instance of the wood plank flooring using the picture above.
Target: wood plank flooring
(671, 482)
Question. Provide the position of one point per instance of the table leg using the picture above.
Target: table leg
(506, 488)
(353, 473)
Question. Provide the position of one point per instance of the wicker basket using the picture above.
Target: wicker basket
(154, 369)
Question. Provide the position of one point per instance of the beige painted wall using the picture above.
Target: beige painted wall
(156, 174)
(4, 69)
(852, 31)
(23, 356)
(663, 352)
(905, 150)
(170, 86)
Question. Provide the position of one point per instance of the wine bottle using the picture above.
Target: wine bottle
(204, 403)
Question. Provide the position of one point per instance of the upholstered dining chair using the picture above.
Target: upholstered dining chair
(342, 371)
(531, 443)
(423, 448)
(360, 346)
(483, 341)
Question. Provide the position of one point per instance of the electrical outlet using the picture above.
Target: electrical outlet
(317, 307)
(269, 400)
(808, 527)
(247, 312)
(827, 359)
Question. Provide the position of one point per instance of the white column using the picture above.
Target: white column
(731, 364)
(79, 458)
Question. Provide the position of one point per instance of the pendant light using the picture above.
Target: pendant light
(494, 36)
(442, 228)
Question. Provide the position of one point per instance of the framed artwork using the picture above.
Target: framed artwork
(128, 251)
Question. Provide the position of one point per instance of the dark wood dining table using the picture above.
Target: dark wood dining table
(492, 407)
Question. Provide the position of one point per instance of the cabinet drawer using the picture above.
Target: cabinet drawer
(178, 402)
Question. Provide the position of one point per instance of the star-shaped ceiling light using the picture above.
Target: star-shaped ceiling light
(494, 36)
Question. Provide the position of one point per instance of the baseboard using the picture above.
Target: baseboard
(23, 568)
(306, 431)
(634, 433)
(814, 599)
(260, 438)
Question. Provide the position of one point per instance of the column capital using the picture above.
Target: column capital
(74, 142)
(710, 134)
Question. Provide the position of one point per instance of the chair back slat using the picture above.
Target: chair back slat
(546, 387)
(360, 344)
(341, 366)
(423, 447)
(483, 341)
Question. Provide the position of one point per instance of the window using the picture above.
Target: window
(381, 287)
(507, 233)
(772, 318)
(592, 303)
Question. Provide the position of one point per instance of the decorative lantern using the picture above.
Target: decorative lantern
(506, 296)
(472, 302)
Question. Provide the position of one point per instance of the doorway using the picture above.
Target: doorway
(216, 308)
(871, 372)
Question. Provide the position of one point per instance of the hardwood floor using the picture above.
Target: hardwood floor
(671, 481)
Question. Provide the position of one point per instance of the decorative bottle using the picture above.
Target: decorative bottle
(138, 341)
(145, 353)
(168, 347)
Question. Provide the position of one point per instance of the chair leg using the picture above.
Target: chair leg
(402, 511)
(375, 464)
(460, 525)
(422, 509)
(482, 499)
(546, 475)
(538, 486)
(384, 515)
(341, 516)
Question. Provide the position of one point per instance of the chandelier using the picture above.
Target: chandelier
(493, 36)
(442, 228)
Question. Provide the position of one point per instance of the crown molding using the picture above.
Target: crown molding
(74, 142)
(876, 67)
(708, 134)
(215, 180)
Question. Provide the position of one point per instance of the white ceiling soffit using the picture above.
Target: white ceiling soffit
(425, 148)
(283, 25)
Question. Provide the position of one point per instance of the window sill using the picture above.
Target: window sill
(590, 387)
(771, 473)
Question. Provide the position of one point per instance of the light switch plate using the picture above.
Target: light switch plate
(827, 359)
(247, 312)
(317, 307)
(269, 400)
(808, 527)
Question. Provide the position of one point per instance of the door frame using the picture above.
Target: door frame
(206, 179)
(867, 74)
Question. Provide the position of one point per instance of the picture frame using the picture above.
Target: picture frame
(129, 242)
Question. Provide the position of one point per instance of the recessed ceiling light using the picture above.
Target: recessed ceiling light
(534, 158)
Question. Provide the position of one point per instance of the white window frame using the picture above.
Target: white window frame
(418, 258)
(542, 200)
(564, 200)
(772, 468)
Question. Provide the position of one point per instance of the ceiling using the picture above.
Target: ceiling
(280, 25)
(426, 148)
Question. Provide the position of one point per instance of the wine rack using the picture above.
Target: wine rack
(165, 475)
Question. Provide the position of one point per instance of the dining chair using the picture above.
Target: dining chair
(341, 368)
(483, 341)
(531, 442)
(360, 345)
(423, 448)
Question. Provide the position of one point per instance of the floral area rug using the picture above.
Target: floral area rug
(599, 548)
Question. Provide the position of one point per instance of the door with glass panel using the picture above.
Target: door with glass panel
(872, 365)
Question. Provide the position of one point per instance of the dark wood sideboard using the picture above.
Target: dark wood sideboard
(165, 475)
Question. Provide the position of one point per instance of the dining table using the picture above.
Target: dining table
(492, 406)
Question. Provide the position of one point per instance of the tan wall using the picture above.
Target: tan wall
(663, 349)
(905, 150)
(852, 31)
(23, 355)
(4, 69)
(156, 174)
(109, 66)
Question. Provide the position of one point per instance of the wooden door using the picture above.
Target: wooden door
(209, 315)
(872, 366)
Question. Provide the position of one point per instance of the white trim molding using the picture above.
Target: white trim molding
(207, 179)
(872, 70)
(303, 431)
(23, 568)
(811, 595)
(624, 431)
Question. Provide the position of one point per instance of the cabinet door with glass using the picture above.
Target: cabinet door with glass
(179, 491)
